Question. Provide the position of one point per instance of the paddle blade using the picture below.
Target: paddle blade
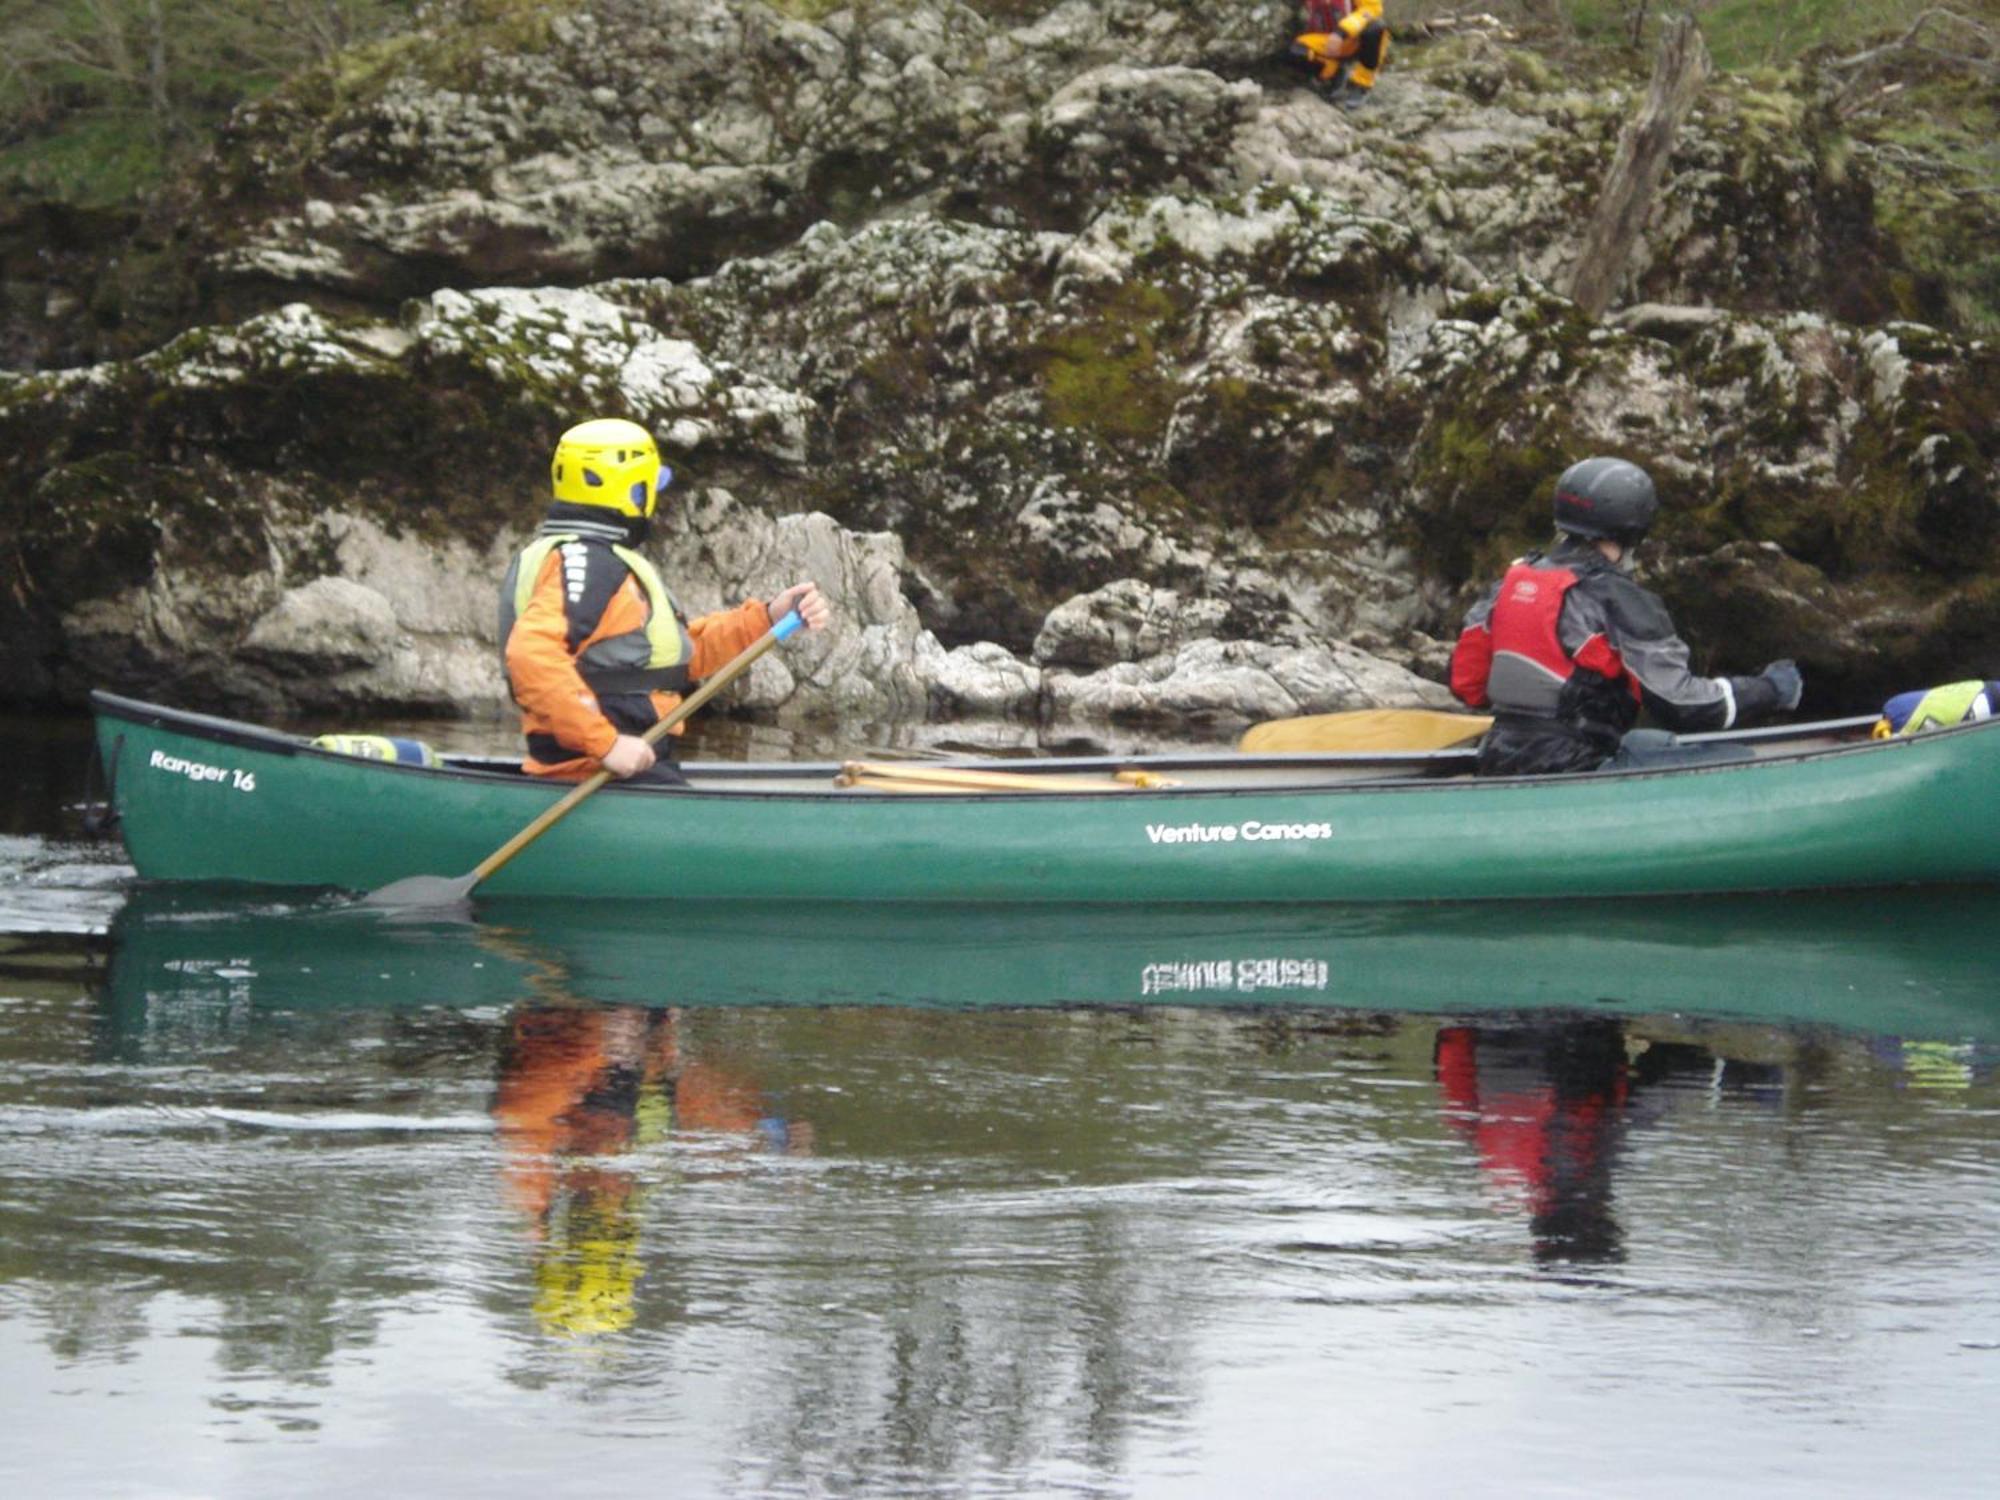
(423, 893)
(1366, 731)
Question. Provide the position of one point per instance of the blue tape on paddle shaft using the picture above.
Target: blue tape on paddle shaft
(788, 626)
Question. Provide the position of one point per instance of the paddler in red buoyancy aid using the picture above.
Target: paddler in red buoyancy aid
(596, 650)
(1567, 648)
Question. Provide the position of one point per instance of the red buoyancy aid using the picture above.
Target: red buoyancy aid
(1520, 639)
(1324, 15)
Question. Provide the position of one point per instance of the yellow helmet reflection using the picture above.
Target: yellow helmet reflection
(587, 1274)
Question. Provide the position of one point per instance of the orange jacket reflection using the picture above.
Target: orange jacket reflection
(578, 1087)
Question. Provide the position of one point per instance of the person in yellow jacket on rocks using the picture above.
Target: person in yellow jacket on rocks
(596, 650)
(1345, 43)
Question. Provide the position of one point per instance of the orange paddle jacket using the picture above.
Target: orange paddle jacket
(567, 724)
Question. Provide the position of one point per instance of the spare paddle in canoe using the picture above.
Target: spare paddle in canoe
(1366, 731)
(440, 891)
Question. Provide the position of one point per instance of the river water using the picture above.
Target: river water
(1696, 1198)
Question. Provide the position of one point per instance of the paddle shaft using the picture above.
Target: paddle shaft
(714, 683)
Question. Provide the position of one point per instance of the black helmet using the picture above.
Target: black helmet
(1606, 497)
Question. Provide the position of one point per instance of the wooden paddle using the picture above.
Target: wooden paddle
(1365, 731)
(436, 890)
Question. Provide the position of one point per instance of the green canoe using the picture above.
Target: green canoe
(206, 799)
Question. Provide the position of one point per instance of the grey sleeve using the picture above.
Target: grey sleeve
(1637, 626)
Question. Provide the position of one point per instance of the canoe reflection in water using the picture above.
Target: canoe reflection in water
(1547, 1105)
(1542, 1073)
(584, 1089)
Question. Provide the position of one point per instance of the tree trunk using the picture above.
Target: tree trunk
(159, 94)
(1636, 168)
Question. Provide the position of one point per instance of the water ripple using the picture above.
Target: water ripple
(162, 1119)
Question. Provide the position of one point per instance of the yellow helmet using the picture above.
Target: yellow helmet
(611, 463)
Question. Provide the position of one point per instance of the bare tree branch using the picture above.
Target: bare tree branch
(1455, 24)
(1937, 15)
(1859, 94)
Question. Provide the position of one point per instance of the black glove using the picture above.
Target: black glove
(1785, 681)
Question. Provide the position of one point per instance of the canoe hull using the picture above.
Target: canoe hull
(205, 800)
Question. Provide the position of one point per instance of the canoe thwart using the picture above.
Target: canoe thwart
(889, 776)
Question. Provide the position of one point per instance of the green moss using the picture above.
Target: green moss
(1481, 306)
(1921, 343)
(90, 528)
(1935, 197)
(1531, 71)
(1247, 452)
(1969, 630)
(1102, 373)
(363, 72)
(1874, 519)
(808, 10)
(1743, 503)
(1488, 495)
(1476, 67)
(449, 56)
(1768, 109)
(98, 471)
(96, 162)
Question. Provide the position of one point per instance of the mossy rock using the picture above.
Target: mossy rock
(91, 527)
(1102, 368)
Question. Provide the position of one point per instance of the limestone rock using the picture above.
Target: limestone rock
(1232, 683)
(983, 680)
(863, 667)
(1096, 369)
(1124, 621)
(327, 626)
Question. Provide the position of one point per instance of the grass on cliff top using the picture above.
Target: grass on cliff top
(102, 100)
(1742, 35)
(96, 160)
(1924, 113)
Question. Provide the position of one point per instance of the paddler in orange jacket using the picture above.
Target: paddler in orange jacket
(596, 650)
